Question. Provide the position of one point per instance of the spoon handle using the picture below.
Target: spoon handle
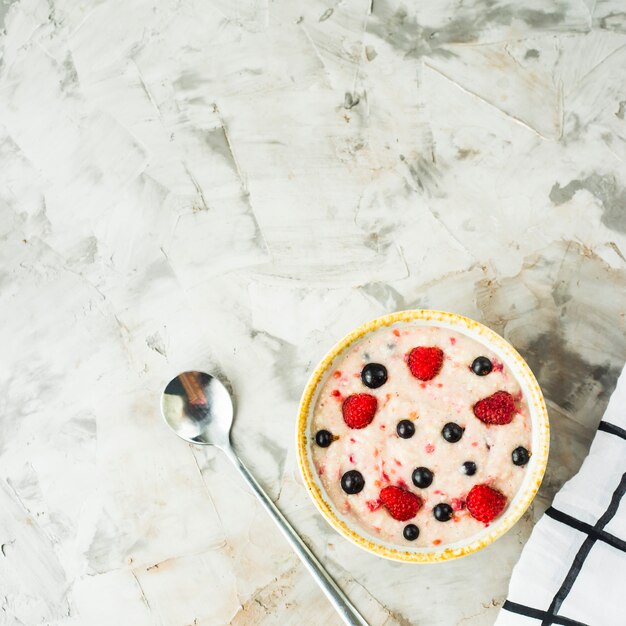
(337, 597)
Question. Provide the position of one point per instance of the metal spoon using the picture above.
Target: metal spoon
(199, 409)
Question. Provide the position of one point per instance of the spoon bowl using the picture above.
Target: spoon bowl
(198, 408)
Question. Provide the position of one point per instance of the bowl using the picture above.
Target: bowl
(540, 437)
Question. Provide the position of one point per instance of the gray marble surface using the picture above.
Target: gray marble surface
(235, 184)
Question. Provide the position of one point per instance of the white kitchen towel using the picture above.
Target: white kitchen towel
(573, 568)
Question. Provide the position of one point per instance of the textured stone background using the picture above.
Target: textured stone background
(233, 185)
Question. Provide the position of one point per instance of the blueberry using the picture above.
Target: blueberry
(405, 429)
(520, 456)
(442, 512)
(411, 532)
(374, 375)
(422, 477)
(323, 438)
(469, 468)
(481, 366)
(352, 482)
(452, 432)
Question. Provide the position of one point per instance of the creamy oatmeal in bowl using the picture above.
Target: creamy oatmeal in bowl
(422, 436)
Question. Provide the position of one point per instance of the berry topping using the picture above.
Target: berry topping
(323, 438)
(457, 504)
(468, 468)
(411, 532)
(422, 477)
(520, 456)
(452, 432)
(359, 410)
(425, 362)
(481, 366)
(352, 482)
(485, 503)
(401, 504)
(374, 375)
(443, 512)
(405, 429)
(498, 408)
(374, 505)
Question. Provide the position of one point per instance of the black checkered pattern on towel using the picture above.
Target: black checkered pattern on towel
(594, 538)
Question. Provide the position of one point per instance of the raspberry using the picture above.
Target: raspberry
(373, 505)
(425, 362)
(359, 410)
(401, 504)
(485, 503)
(498, 408)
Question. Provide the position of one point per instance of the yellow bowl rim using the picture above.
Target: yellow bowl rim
(538, 413)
